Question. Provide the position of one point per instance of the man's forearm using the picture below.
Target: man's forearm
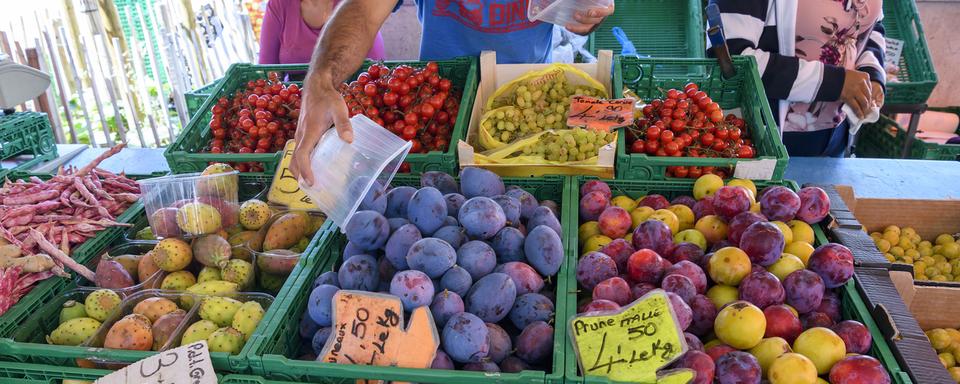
(346, 39)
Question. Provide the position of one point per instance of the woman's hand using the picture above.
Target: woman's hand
(877, 93)
(588, 20)
(857, 92)
(321, 107)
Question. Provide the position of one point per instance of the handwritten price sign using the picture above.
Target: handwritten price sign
(285, 190)
(368, 330)
(630, 344)
(189, 364)
(600, 114)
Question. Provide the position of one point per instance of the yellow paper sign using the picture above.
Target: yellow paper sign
(285, 190)
(368, 329)
(630, 344)
(600, 114)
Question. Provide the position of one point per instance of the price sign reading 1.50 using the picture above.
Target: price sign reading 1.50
(285, 189)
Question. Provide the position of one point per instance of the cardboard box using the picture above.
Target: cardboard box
(929, 217)
(492, 76)
(932, 306)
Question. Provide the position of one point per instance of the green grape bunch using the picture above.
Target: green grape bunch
(575, 144)
(540, 104)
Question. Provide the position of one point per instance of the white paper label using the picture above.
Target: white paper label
(755, 169)
(892, 55)
(189, 364)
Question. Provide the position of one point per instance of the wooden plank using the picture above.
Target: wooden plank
(61, 86)
(77, 82)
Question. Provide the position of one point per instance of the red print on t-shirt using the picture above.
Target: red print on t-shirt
(490, 16)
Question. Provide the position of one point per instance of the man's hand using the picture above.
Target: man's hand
(877, 93)
(321, 107)
(588, 20)
(857, 92)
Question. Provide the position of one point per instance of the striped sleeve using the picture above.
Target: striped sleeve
(871, 59)
(784, 77)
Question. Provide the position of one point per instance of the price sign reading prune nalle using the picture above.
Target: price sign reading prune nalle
(187, 364)
(600, 114)
(368, 329)
(285, 190)
(632, 343)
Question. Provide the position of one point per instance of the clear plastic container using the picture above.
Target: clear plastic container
(344, 173)
(560, 12)
(190, 204)
(136, 248)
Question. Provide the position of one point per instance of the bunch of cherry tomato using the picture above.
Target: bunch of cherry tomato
(689, 123)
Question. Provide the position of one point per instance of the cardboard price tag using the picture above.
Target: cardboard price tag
(629, 344)
(285, 190)
(368, 329)
(189, 364)
(600, 114)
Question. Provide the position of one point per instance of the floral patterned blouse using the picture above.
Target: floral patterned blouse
(835, 33)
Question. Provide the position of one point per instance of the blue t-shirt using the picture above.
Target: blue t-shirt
(454, 28)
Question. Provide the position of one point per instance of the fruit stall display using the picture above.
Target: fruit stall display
(495, 304)
(912, 80)
(518, 124)
(939, 323)
(194, 256)
(694, 125)
(253, 110)
(935, 259)
(52, 223)
(756, 300)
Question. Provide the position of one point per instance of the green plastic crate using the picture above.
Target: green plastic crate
(135, 32)
(852, 306)
(885, 139)
(647, 77)
(27, 132)
(46, 374)
(657, 28)
(184, 157)
(281, 345)
(196, 97)
(917, 75)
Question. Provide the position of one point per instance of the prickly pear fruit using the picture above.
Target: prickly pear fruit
(247, 318)
(198, 331)
(129, 262)
(111, 274)
(210, 288)
(211, 250)
(219, 310)
(254, 214)
(209, 274)
(146, 267)
(74, 331)
(238, 271)
(172, 254)
(223, 186)
(242, 242)
(285, 231)
(225, 339)
(178, 281)
(164, 327)
(71, 310)
(270, 282)
(132, 332)
(100, 303)
(198, 218)
(163, 223)
(278, 261)
(154, 307)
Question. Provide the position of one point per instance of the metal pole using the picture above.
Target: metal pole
(78, 82)
(136, 59)
(156, 65)
(179, 85)
(117, 115)
(61, 82)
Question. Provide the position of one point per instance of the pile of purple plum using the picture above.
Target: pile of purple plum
(479, 254)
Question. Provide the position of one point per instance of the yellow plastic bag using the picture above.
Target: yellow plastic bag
(506, 100)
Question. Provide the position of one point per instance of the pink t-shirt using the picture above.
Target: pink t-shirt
(833, 32)
(286, 39)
